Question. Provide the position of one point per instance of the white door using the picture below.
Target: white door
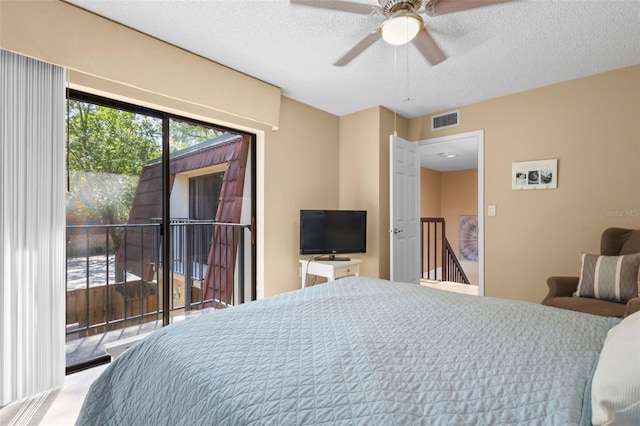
(405, 210)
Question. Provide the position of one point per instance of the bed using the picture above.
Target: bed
(359, 351)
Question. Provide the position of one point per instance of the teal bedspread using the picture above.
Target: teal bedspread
(358, 351)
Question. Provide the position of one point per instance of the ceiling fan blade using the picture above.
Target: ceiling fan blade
(344, 6)
(371, 38)
(428, 47)
(442, 7)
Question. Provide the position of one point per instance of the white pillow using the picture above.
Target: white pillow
(615, 391)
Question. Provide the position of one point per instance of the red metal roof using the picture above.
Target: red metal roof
(147, 205)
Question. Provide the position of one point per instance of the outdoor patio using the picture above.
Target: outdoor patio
(94, 270)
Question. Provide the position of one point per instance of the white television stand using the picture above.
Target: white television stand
(330, 269)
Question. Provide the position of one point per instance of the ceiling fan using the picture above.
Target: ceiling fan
(403, 22)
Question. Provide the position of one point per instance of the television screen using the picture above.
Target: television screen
(333, 231)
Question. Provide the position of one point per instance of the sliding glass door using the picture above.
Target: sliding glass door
(155, 205)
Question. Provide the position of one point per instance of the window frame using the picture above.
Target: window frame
(166, 117)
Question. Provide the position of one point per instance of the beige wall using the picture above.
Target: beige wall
(459, 196)
(65, 35)
(430, 193)
(364, 179)
(592, 126)
(359, 186)
(301, 172)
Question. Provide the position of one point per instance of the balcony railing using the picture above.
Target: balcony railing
(114, 272)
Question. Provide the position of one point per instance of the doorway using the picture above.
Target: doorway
(143, 227)
(463, 151)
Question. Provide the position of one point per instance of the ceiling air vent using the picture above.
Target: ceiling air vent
(448, 119)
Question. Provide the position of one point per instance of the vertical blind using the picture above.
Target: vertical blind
(32, 220)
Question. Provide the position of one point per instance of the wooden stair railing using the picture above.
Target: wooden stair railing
(437, 252)
(455, 272)
(430, 253)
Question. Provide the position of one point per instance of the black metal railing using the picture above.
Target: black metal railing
(191, 241)
(114, 277)
(100, 288)
(432, 232)
(437, 254)
(455, 272)
(212, 273)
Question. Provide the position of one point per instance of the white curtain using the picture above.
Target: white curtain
(32, 227)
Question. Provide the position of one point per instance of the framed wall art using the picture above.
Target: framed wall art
(539, 174)
(468, 235)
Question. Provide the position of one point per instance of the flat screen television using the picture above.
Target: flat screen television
(332, 232)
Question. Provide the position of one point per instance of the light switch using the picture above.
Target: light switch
(491, 210)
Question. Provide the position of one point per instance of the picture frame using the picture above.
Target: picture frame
(468, 236)
(537, 174)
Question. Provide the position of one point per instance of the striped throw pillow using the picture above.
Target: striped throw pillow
(614, 278)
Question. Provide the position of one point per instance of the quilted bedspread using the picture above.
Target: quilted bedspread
(358, 351)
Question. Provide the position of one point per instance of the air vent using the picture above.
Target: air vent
(448, 119)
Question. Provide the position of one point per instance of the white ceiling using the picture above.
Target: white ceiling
(465, 149)
(492, 51)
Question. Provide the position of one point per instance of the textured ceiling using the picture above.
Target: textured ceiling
(492, 51)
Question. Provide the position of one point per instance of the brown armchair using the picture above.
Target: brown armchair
(614, 242)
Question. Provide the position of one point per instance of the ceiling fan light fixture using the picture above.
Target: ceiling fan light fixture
(401, 27)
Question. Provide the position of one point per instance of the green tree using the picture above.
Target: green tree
(109, 140)
(184, 135)
(104, 143)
